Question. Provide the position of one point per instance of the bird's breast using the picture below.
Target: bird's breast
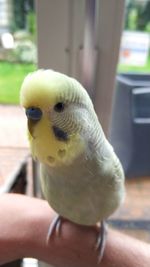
(80, 194)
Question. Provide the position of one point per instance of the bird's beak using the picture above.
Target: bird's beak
(31, 125)
(34, 115)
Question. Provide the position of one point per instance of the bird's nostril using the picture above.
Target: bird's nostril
(51, 159)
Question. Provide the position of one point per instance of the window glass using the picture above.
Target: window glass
(135, 41)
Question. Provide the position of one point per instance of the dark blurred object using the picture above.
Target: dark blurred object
(13, 264)
(14, 172)
(130, 126)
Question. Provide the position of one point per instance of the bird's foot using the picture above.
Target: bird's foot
(101, 241)
(54, 226)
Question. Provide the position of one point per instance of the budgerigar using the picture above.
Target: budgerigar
(81, 176)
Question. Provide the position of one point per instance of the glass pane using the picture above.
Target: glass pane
(135, 41)
(18, 52)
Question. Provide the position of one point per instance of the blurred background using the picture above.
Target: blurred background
(18, 52)
(18, 42)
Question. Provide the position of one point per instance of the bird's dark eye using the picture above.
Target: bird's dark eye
(59, 107)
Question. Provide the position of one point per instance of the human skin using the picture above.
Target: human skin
(24, 222)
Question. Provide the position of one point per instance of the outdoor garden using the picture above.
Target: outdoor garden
(17, 62)
(20, 59)
(137, 19)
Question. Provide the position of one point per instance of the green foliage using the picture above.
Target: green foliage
(144, 16)
(132, 24)
(31, 24)
(19, 14)
(137, 15)
(21, 8)
(11, 77)
(147, 28)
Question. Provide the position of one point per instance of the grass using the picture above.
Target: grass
(127, 68)
(11, 77)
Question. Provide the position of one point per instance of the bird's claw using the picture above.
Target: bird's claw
(101, 241)
(54, 226)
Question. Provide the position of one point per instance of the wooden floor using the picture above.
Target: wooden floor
(133, 217)
(13, 141)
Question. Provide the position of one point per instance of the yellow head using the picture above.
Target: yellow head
(57, 108)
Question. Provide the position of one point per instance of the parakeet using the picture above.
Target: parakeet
(81, 176)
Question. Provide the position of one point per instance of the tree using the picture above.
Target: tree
(20, 10)
(137, 15)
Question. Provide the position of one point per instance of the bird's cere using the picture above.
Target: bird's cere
(34, 113)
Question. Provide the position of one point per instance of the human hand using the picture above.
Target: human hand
(24, 222)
